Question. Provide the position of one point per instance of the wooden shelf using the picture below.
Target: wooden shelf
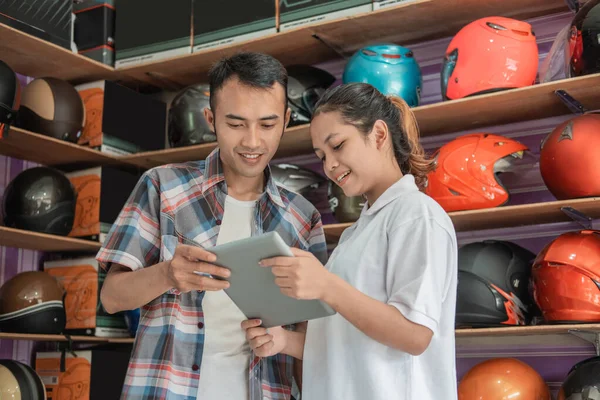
(26, 145)
(411, 22)
(62, 338)
(525, 330)
(10, 237)
(31, 56)
(504, 217)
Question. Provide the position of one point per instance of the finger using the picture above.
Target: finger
(283, 282)
(253, 333)
(207, 283)
(251, 323)
(194, 253)
(260, 340)
(281, 272)
(289, 292)
(300, 253)
(277, 261)
(265, 349)
(203, 267)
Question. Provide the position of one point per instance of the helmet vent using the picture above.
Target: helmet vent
(496, 26)
(454, 192)
(367, 52)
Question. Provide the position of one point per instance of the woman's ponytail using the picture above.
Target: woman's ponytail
(417, 163)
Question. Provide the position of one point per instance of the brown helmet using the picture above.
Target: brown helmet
(32, 302)
(503, 378)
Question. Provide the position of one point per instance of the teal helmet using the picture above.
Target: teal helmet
(392, 69)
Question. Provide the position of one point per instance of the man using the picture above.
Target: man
(190, 344)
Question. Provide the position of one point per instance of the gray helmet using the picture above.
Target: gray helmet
(187, 125)
(344, 208)
(299, 180)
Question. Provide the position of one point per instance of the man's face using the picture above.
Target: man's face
(249, 123)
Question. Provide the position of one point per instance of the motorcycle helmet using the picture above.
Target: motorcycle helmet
(40, 199)
(566, 278)
(18, 381)
(467, 171)
(493, 284)
(392, 69)
(583, 381)
(132, 320)
(299, 180)
(306, 85)
(503, 378)
(569, 160)
(489, 55)
(576, 50)
(187, 125)
(32, 302)
(344, 208)
(52, 107)
(10, 97)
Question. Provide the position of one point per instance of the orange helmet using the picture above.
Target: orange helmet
(569, 159)
(500, 379)
(488, 55)
(465, 177)
(565, 278)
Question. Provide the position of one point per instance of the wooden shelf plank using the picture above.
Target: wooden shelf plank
(407, 23)
(62, 338)
(26, 145)
(524, 330)
(29, 55)
(10, 237)
(504, 217)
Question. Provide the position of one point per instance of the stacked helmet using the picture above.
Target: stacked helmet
(299, 180)
(583, 381)
(32, 302)
(467, 169)
(569, 160)
(18, 381)
(306, 85)
(40, 199)
(566, 278)
(187, 125)
(489, 55)
(52, 107)
(10, 96)
(344, 208)
(503, 378)
(390, 68)
(493, 284)
(132, 320)
(575, 51)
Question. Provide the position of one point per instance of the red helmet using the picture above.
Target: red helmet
(569, 159)
(503, 378)
(565, 278)
(465, 177)
(488, 55)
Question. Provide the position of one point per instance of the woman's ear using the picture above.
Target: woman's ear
(380, 134)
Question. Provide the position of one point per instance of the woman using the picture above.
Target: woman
(392, 278)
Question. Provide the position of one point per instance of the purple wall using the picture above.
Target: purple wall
(551, 356)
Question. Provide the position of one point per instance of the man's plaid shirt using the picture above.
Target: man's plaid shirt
(184, 203)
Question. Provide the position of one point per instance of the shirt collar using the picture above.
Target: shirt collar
(402, 186)
(213, 175)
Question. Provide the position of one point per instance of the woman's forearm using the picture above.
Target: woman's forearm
(294, 344)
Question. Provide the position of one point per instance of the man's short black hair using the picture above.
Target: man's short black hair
(253, 69)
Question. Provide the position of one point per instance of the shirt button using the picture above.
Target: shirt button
(195, 367)
(200, 325)
(218, 222)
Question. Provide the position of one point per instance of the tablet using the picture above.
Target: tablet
(252, 287)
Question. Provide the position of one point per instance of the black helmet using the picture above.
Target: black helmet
(344, 208)
(10, 96)
(583, 381)
(493, 284)
(40, 199)
(187, 125)
(299, 180)
(306, 85)
(52, 107)
(20, 382)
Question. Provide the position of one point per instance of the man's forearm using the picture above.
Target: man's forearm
(124, 289)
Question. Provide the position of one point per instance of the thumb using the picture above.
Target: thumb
(300, 253)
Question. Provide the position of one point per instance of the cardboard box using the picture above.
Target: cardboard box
(218, 23)
(151, 30)
(297, 13)
(83, 374)
(82, 278)
(48, 20)
(101, 194)
(95, 30)
(121, 121)
(379, 4)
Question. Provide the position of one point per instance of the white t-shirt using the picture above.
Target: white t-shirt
(402, 251)
(226, 356)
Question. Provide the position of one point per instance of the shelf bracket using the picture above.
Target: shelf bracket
(578, 217)
(589, 336)
(575, 106)
(333, 47)
(573, 5)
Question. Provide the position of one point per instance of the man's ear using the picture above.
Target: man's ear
(209, 116)
(288, 115)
